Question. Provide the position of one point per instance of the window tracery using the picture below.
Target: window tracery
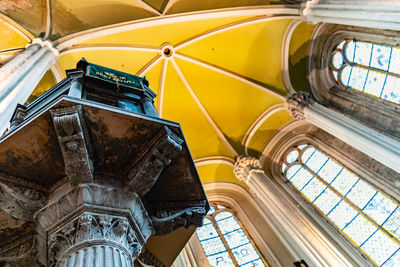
(224, 241)
(367, 67)
(365, 215)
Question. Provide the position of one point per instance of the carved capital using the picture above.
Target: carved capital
(69, 128)
(163, 147)
(244, 165)
(296, 104)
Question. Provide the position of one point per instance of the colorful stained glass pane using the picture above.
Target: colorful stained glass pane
(316, 161)
(361, 193)
(301, 178)
(363, 53)
(222, 215)
(344, 181)
(349, 51)
(307, 153)
(395, 61)
(379, 208)
(337, 60)
(256, 263)
(329, 171)
(206, 231)
(374, 84)
(342, 214)
(245, 253)
(228, 225)
(357, 78)
(394, 260)
(211, 211)
(221, 260)
(236, 238)
(213, 246)
(359, 229)
(327, 200)
(380, 57)
(292, 156)
(392, 224)
(313, 189)
(391, 90)
(292, 170)
(345, 75)
(380, 247)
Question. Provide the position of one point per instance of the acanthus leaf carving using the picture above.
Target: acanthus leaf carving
(297, 102)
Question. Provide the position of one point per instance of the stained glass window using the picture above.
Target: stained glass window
(367, 67)
(224, 241)
(365, 215)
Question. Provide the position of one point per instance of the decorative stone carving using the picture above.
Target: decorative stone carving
(91, 215)
(296, 104)
(244, 165)
(70, 131)
(157, 154)
(20, 202)
(146, 258)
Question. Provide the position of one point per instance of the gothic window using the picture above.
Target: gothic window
(368, 217)
(368, 67)
(224, 241)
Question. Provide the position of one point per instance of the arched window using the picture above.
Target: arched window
(224, 241)
(367, 67)
(368, 217)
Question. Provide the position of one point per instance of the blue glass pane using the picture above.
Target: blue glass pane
(307, 154)
(313, 189)
(359, 229)
(374, 84)
(211, 211)
(363, 53)
(337, 60)
(342, 214)
(345, 75)
(206, 231)
(344, 181)
(301, 178)
(284, 165)
(316, 161)
(349, 51)
(327, 200)
(292, 170)
(220, 260)
(256, 263)
(361, 193)
(292, 156)
(228, 225)
(340, 46)
(301, 147)
(391, 91)
(212, 246)
(393, 223)
(379, 208)
(236, 238)
(220, 207)
(245, 253)
(393, 261)
(395, 61)
(335, 75)
(357, 78)
(222, 215)
(380, 57)
(380, 247)
(329, 171)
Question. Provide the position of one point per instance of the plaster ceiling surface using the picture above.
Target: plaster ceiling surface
(215, 66)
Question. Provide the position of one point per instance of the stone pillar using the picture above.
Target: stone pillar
(148, 106)
(380, 147)
(301, 237)
(20, 76)
(362, 13)
(92, 225)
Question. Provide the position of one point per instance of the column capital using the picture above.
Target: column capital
(244, 165)
(44, 43)
(297, 102)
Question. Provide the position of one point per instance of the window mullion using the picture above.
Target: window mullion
(352, 64)
(224, 242)
(354, 206)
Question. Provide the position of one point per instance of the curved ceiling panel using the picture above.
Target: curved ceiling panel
(217, 172)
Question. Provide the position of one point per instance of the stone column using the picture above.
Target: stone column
(92, 225)
(363, 13)
(302, 238)
(20, 76)
(378, 146)
(148, 106)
